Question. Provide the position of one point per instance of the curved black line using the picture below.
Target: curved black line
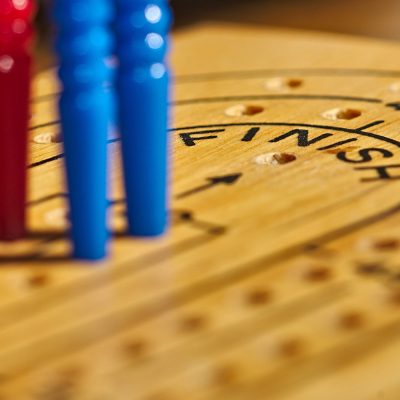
(45, 125)
(275, 97)
(259, 97)
(251, 74)
(370, 125)
(46, 198)
(46, 160)
(294, 125)
(251, 97)
(325, 127)
(317, 72)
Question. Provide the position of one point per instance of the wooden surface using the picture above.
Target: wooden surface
(361, 17)
(280, 285)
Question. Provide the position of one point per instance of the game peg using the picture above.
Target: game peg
(83, 45)
(15, 70)
(142, 90)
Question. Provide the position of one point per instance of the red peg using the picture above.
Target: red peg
(15, 71)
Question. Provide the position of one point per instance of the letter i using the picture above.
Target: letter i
(83, 44)
(15, 74)
(142, 89)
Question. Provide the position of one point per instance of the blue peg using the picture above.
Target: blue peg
(83, 44)
(142, 89)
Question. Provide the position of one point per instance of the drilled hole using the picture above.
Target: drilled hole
(258, 297)
(318, 274)
(242, 110)
(394, 297)
(193, 323)
(341, 114)
(218, 230)
(226, 374)
(38, 280)
(275, 158)
(136, 348)
(351, 320)
(283, 83)
(47, 138)
(186, 216)
(378, 244)
(290, 347)
(371, 268)
(386, 244)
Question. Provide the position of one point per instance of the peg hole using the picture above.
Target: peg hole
(186, 216)
(258, 297)
(318, 274)
(371, 268)
(341, 114)
(387, 244)
(241, 110)
(193, 323)
(38, 280)
(379, 244)
(226, 374)
(137, 348)
(275, 159)
(218, 230)
(351, 320)
(47, 138)
(283, 83)
(394, 297)
(291, 347)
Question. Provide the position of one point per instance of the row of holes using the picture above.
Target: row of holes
(335, 114)
(242, 110)
(295, 83)
(261, 296)
(238, 110)
(348, 321)
(226, 374)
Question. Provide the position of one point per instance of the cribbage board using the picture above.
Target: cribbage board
(279, 278)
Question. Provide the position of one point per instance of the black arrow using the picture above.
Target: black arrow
(395, 106)
(217, 180)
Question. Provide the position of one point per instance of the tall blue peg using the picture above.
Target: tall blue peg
(142, 88)
(83, 44)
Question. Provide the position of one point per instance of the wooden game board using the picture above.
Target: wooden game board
(280, 276)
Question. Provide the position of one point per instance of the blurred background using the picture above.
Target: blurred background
(377, 18)
(372, 18)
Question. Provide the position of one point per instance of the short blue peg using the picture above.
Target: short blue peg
(84, 43)
(142, 90)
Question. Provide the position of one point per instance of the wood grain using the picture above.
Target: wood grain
(281, 284)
